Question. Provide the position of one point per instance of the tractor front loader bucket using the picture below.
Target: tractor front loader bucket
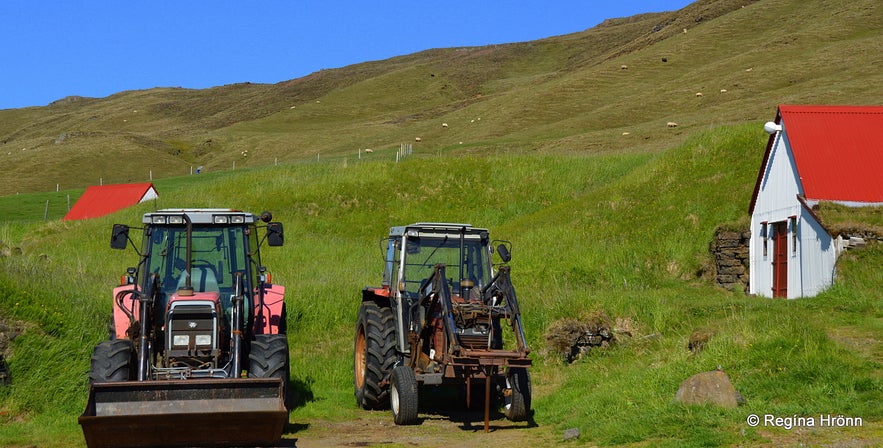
(185, 413)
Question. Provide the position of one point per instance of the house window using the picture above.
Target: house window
(764, 235)
(793, 221)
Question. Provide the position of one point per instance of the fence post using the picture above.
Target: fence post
(46, 210)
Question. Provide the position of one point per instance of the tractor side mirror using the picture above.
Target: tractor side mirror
(119, 237)
(504, 253)
(275, 235)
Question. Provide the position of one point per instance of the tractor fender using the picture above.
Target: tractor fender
(383, 297)
(375, 294)
(273, 311)
(121, 323)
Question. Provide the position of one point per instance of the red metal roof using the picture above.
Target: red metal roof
(838, 150)
(100, 200)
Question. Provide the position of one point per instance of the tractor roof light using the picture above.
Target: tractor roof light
(158, 219)
(176, 219)
(220, 219)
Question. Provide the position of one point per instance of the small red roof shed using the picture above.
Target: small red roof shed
(100, 200)
(838, 151)
(814, 153)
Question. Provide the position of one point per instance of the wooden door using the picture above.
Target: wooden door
(780, 259)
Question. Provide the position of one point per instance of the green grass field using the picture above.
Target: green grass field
(623, 234)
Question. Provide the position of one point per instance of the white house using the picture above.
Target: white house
(814, 153)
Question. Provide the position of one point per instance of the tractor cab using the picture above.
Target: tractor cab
(463, 250)
(197, 262)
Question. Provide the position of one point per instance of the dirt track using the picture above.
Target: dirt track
(466, 429)
(460, 429)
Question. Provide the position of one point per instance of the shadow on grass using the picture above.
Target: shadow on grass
(300, 392)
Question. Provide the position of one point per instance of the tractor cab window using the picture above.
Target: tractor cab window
(424, 253)
(216, 253)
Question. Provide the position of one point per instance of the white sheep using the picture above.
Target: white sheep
(418, 139)
(672, 124)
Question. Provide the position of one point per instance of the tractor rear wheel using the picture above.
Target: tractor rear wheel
(268, 358)
(403, 396)
(516, 399)
(374, 355)
(112, 360)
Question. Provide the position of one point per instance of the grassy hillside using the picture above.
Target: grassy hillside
(550, 144)
(561, 94)
(624, 234)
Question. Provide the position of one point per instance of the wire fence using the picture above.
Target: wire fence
(55, 205)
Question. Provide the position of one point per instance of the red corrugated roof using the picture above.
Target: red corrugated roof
(838, 150)
(100, 200)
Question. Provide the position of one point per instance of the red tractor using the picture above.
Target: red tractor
(439, 318)
(197, 354)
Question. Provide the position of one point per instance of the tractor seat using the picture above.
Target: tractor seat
(203, 279)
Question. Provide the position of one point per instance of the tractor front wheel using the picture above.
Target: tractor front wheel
(268, 358)
(516, 397)
(374, 354)
(113, 360)
(403, 396)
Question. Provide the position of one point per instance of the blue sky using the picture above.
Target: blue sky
(55, 48)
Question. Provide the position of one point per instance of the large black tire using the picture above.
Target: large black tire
(113, 360)
(374, 355)
(268, 358)
(516, 401)
(403, 396)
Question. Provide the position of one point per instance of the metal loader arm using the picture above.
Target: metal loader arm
(147, 299)
(439, 293)
(502, 282)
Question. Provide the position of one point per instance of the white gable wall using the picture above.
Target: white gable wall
(148, 195)
(811, 257)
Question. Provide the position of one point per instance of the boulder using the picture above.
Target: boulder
(712, 387)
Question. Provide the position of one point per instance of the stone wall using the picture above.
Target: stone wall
(729, 250)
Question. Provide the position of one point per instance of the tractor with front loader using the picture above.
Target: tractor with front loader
(439, 318)
(197, 353)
